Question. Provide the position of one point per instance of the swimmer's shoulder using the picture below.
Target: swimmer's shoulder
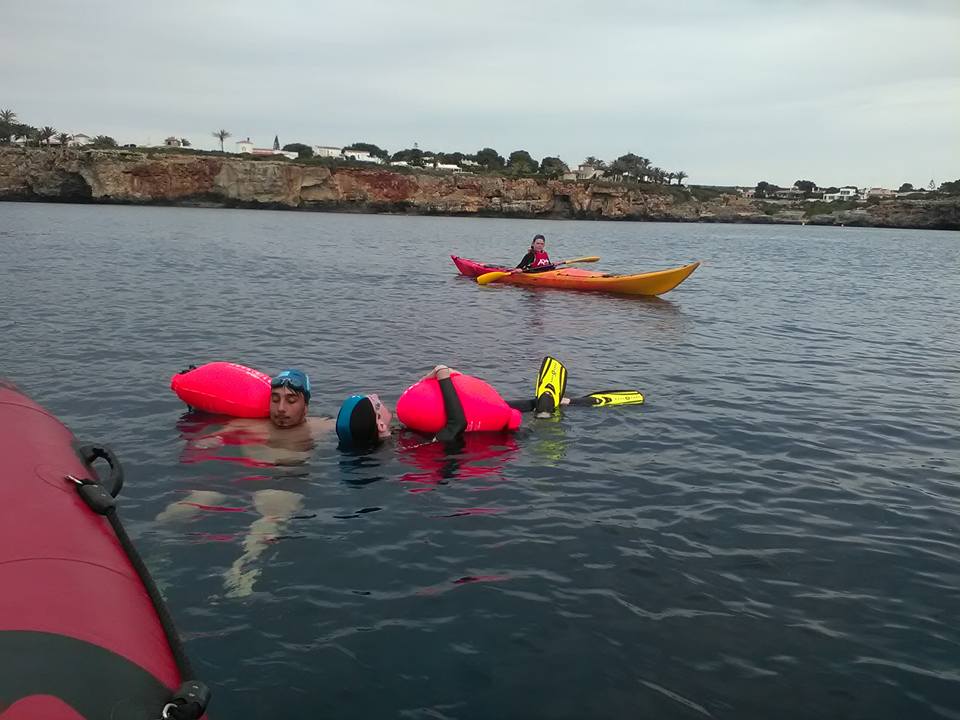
(322, 424)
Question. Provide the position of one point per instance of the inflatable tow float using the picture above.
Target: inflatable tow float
(84, 632)
(420, 407)
(224, 388)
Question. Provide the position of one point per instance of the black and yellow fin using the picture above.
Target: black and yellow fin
(611, 397)
(551, 385)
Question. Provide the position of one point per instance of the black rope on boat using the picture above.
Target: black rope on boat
(190, 700)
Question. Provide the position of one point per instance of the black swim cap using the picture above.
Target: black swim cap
(357, 422)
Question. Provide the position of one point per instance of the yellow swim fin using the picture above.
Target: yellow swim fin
(551, 385)
(610, 397)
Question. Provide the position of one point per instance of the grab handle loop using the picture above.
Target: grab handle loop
(188, 703)
(89, 453)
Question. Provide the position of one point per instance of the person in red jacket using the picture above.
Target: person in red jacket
(536, 258)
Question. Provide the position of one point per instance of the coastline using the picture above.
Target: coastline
(134, 177)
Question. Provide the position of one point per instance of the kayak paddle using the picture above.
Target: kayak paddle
(490, 277)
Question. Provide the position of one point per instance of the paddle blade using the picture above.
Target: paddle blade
(612, 397)
(490, 277)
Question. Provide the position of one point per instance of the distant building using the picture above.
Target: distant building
(360, 156)
(79, 140)
(583, 172)
(879, 192)
(788, 194)
(246, 147)
(173, 142)
(327, 151)
(845, 193)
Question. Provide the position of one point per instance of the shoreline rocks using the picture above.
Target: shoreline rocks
(198, 180)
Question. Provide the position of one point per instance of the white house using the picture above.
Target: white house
(246, 147)
(583, 172)
(79, 140)
(879, 192)
(326, 151)
(360, 156)
(845, 193)
(445, 166)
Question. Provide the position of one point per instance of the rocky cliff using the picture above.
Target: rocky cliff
(121, 176)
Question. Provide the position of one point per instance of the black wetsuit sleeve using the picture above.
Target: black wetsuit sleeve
(456, 420)
(523, 405)
(542, 268)
(527, 260)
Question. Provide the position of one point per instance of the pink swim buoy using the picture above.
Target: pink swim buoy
(224, 388)
(421, 406)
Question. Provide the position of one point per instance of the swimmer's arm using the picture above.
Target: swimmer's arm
(530, 405)
(216, 438)
(456, 419)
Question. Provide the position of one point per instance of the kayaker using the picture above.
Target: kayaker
(536, 257)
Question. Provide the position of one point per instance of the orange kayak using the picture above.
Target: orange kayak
(651, 283)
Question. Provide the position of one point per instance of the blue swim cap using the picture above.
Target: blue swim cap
(357, 422)
(296, 380)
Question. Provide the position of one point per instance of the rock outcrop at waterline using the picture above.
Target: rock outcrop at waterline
(136, 177)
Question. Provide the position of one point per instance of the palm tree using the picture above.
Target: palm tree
(680, 175)
(46, 132)
(8, 118)
(184, 142)
(221, 135)
(64, 138)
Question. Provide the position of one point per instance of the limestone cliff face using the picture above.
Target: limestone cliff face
(121, 176)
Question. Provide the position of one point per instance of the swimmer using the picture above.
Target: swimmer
(287, 438)
(365, 420)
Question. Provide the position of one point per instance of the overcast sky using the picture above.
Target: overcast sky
(865, 92)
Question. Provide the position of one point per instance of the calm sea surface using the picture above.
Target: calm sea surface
(774, 534)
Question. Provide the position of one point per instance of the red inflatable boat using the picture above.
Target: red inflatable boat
(82, 635)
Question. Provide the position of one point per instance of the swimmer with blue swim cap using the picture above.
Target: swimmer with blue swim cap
(289, 398)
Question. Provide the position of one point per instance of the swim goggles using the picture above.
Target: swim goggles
(296, 380)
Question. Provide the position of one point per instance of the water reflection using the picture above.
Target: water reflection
(480, 456)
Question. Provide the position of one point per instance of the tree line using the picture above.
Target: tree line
(810, 189)
(11, 130)
(519, 162)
